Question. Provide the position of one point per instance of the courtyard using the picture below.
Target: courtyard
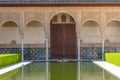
(59, 39)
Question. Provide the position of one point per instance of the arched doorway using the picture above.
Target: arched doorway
(63, 37)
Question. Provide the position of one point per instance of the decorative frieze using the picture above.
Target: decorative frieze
(111, 15)
(9, 16)
(91, 15)
(34, 16)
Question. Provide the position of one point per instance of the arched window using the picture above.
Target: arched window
(63, 18)
(55, 19)
(71, 19)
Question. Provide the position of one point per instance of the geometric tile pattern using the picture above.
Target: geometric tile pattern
(91, 53)
(10, 50)
(40, 53)
(112, 49)
(35, 54)
(86, 53)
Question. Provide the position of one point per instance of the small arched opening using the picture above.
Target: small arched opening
(91, 32)
(34, 33)
(9, 33)
(112, 31)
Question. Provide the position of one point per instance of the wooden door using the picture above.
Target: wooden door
(63, 41)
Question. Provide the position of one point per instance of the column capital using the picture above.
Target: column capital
(103, 36)
(22, 35)
(78, 36)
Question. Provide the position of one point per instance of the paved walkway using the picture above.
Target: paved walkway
(12, 67)
(113, 69)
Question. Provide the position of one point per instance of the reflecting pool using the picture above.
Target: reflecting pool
(60, 71)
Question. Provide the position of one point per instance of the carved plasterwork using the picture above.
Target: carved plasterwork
(91, 15)
(31, 16)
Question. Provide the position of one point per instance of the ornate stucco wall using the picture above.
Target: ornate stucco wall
(106, 18)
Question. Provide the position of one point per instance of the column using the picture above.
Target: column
(103, 46)
(47, 49)
(47, 35)
(103, 32)
(22, 34)
(79, 48)
(22, 46)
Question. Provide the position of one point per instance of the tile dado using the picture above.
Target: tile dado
(40, 53)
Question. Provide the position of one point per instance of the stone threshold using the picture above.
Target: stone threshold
(111, 68)
(12, 67)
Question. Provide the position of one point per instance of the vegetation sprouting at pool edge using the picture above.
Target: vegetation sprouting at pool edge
(8, 59)
(113, 57)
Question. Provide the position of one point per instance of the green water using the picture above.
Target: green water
(62, 71)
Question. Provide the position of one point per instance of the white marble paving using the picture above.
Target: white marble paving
(113, 69)
(12, 67)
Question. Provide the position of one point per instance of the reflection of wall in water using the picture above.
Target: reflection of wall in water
(35, 71)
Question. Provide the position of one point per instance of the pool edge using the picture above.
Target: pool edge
(111, 68)
(12, 67)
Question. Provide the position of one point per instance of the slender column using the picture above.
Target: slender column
(22, 34)
(22, 47)
(103, 47)
(78, 48)
(103, 32)
(47, 49)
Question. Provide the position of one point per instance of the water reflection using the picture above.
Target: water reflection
(47, 70)
(103, 74)
(11, 73)
(22, 73)
(78, 71)
(62, 71)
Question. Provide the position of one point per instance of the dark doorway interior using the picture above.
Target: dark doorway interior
(63, 41)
